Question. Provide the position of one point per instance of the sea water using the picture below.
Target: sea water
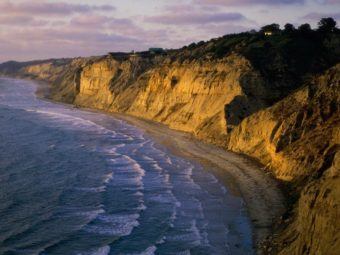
(79, 182)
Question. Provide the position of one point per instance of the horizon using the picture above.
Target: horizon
(38, 30)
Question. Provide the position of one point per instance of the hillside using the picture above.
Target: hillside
(274, 98)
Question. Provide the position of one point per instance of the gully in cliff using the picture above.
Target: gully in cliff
(225, 146)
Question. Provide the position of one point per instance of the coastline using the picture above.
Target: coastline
(243, 176)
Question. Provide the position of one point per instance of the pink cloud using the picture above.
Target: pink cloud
(31, 29)
(20, 20)
(195, 18)
(44, 8)
(89, 20)
(249, 2)
(318, 15)
(329, 2)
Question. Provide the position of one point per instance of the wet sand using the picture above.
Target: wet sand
(241, 175)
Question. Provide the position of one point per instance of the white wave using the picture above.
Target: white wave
(137, 168)
(148, 158)
(188, 172)
(74, 120)
(125, 160)
(141, 207)
(124, 167)
(127, 182)
(186, 252)
(161, 240)
(199, 210)
(157, 167)
(113, 150)
(79, 122)
(168, 160)
(178, 204)
(192, 236)
(139, 194)
(173, 217)
(107, 178)
(91, 215)
(101, 251)
(212, 178)
(115, 224)
(119, 161)
(161, 198)
(224, 189)
(195, 231)
(167, 179)
(92, 189)
(149, 251)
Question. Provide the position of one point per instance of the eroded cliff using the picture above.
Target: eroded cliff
(279, 112)
(191, 96)
(298, 139)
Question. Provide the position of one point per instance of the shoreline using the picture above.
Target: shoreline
(264, 200)
(243, 176)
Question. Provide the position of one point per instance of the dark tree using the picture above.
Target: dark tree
(272, 27)
(327, 25)
(289, 28)
(305, 28)
(200, 43)
(192, 46)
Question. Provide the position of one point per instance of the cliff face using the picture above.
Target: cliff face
(93, 84)
(193, 96)
(292, 128)
(63, 75)
(278, 135)
(298, 139)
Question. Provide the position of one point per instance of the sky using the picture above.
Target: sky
(40, 29)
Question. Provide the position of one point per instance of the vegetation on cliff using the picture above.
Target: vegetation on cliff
(285, 59)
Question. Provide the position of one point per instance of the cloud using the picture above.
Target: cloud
(101, 22)
(43, 8)
(32, 44)
(213, 30)
(10, 20)
(328, 2)
(76, 29)
(194, 18)
(249, 2)
(82, 34)
(318, 16)
(89, 21)
(261, 2)
(31, 29)
(69, 36)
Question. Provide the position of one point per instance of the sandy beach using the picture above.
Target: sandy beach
(241, 175)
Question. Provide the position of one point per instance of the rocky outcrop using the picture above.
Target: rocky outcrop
(228, 102)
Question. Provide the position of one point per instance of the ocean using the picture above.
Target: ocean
(81, 182)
